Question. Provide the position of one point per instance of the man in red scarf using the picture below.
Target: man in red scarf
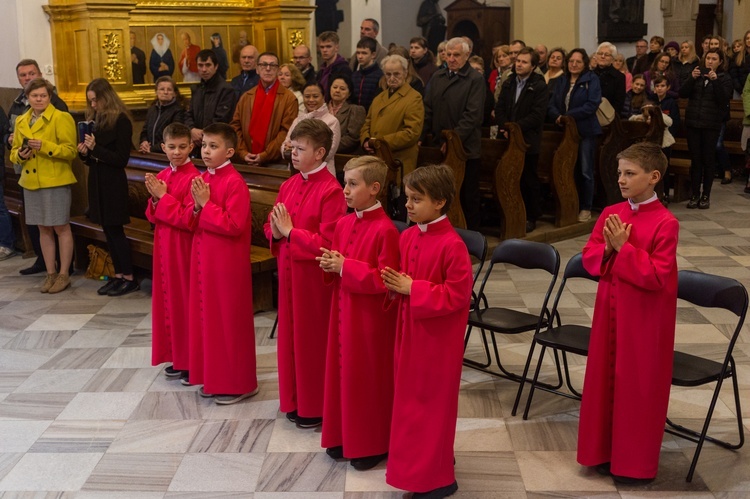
(272, 108)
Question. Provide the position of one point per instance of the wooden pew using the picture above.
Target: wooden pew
(13, 194)
(557, 162)
(263, 184)
(620, 135)
(500, 178)
(455, 159)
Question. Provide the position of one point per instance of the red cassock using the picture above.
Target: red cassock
(629, 367)
(222, 333)
(428, 357)
(172, 241)
(359, 364)
(315, 205)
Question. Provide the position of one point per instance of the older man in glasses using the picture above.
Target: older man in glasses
(263, 115)
(612, 81)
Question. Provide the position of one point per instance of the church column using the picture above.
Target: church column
(281, 25)
(679, 19)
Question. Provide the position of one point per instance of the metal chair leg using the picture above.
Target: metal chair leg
(273, 329)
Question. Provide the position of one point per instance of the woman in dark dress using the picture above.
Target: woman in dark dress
(168, 107)
(106, 152)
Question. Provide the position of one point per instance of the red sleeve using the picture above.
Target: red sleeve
(232, 218)
(306, 244)
(171, 208)
(274, 245)
(593, 252)
(361, 277)
(430, 300)
(646, 270)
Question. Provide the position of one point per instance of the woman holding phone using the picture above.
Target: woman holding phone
(106, 152)
(44, 144)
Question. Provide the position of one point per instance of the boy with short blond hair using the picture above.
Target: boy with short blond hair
(633, 250)
(434, 290)
(170, 197)
(303, 220)
(222, 333)
(359, 364)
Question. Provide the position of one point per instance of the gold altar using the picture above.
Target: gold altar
(93, 38)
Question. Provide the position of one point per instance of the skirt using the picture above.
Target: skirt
(48, 207)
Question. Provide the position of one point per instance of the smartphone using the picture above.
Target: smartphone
(705, 71)
(85, 128)
(25, 143)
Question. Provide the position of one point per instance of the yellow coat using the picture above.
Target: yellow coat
(398, 120)
(51, 165)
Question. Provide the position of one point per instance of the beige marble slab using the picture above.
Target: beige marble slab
(217, 472)
(481, 435)
(56, 381)
(121, 380)
(24, 360)
(286, 437)
(133, 472)
(98, 406)
(169, 405)
(487, 471)
(60, 322)
(558, 470)
(233, 436)
(129, 357)
(19, 436)
(39, 340)
(34, 406)
(78, 358)
(77, 436)
(301, 472)
(58, 472)
(96, 338)
(162, 436)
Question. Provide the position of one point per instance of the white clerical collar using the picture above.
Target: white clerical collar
(374, 207)
(322, 166)
(423, 227)
(636, 206)
(174, 168)
(212, 171)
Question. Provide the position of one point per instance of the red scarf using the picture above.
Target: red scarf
(261, 117)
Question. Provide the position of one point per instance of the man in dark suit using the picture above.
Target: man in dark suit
(454, 100)
(303, 61)
(641, 47)
(523, 100)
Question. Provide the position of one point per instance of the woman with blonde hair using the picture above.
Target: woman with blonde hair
(620, 65)
(291, 78)
(106, 152)
(686, 60)
(501, 66)
(440, 57)
(739, 67)
(44, 144)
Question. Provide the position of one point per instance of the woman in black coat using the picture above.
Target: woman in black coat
(167, 108)
(709, 90)
(106, 152)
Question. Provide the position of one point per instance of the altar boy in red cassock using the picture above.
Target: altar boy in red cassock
(170, 195)
(434, 287)
(222, 333)
(629, 369)
(359, 364)
(303, 220)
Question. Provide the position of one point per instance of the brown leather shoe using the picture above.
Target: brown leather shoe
(49, 281)
(61, 283)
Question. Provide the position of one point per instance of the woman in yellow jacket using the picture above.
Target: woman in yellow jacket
(44, 145)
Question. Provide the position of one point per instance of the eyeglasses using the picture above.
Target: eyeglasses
(604, 54)
(393, 75)
(300, 57)
(267, 65)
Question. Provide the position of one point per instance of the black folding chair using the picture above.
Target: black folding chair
(563, 338)
(400, 226)
(476, 243)
(499, 320)
(707, 290)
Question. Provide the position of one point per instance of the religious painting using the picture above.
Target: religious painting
(216, 38)
(161, 61)
(189, 43)
(621, 21)
(239, 36)
(138, 59)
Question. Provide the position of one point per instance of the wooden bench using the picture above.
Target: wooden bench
(455, 159)
(501, 165)
(557, 162)
(263, 184)
(13, 194)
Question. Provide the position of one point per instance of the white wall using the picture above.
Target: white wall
(354, 12)
(588, 20)
(24, 34)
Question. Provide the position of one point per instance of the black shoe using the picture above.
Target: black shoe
(530, 225)
(308, 422)
(704, 203)
(185, 375)
(34, 269)
(335, 452)
(292, 416)
(446, 491)
(626, 480)
(171, 372)
(693, 203)
(112, 283)
(367, 463)
(124, 288)
(603, 469)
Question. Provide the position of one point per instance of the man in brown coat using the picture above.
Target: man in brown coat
(263, 115)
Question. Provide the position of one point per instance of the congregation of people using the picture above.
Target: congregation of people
(371, 322)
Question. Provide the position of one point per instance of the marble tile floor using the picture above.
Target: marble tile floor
(84, 415)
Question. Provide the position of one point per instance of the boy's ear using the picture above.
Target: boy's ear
(230, 152)
(320, 153)
(655, 177)
(191, 146)
(376, 187)
(440, 204)
(164, 148)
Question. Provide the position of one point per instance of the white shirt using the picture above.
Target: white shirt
(636, 206)
(423, 227)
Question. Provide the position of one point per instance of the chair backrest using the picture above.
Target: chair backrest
(573, 270)
(400, 226)
(476, 243)
(527, 255)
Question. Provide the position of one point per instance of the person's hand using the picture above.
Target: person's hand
(696, 72)
(616, 231)
(10, 139)
(558, 121)
(83, 149)
(24, 153)
(35, 144)
(275, 230)
(608, 249)
(331, 261)
(252, 159)
(712, 75)
(196, 135)
(443, 148)
(133, 59)
(157, 188)
(163, 67)
(145, 146)
(201, 192)
(366, 146)
(282, 219)
(504, 133)
(396, 281)
(90, 141)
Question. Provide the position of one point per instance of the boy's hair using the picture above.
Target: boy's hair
(329, 36)
(436, 181)
(647, 155)
(373, 169)
(419, 40)
(475, 59)
(658, 39)
(659, 79)
(368, 43)
(224, 131)
(206, 55)
(176, 131)
(314, 130)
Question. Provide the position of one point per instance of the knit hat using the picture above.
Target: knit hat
(672, 44)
